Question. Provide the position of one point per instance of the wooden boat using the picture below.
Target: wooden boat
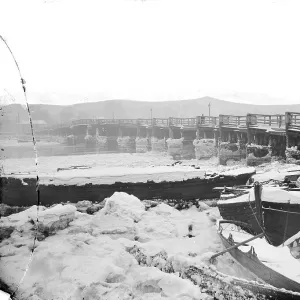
(261, 270)
(272, 210)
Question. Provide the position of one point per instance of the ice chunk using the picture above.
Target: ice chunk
(123, 205)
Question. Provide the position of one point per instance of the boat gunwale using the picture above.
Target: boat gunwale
(253, 259)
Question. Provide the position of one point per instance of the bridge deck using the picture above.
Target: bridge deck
(276, 124)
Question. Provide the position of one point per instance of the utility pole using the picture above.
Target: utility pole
(209, 109)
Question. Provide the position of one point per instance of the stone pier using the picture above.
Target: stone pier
(182, 133)
(207, 135)
(266, 138)
(160, 134)
(292, 134)
(127, 133)
(232, 138)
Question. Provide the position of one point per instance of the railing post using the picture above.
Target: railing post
(280, 121)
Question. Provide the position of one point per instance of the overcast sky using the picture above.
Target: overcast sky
(245, 51)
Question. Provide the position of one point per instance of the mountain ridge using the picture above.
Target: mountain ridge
(132, 109)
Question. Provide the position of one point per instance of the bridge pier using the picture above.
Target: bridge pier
(126, 138)
(101, 138)
(182, 132)
(90, 139)
(144, 133)
(206, 137)
(159, 133)
(266, 138)
(292, 152)
(231, 147)
(142, 141)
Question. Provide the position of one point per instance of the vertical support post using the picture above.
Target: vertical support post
(138, 128)
(171, 132)
(216, 138)
(153, 127)
(198, 134)
(198, 124)
(248, 123)
(204, 134)
(270, 140)
(220, 128)
(258, 205)
(120, 131)
(287, 125)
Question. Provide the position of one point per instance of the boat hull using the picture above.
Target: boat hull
(281, 221)
(241, 212)
(22, 192)
(277, 226)
(266, 274)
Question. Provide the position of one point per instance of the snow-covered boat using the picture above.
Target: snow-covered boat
(271, 266)
(272, 210)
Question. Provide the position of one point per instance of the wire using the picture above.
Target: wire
(23, 82)
(286, 224)
(269, 241)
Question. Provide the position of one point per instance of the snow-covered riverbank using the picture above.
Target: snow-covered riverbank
(88, 256)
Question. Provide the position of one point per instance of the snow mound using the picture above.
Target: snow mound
(153, 280)
(57, 211)
(165, 210)
(89, 259)
(123, 205)
(19, 219)
(151, 227)
(4, 296)
(202, 206)
(114, 226)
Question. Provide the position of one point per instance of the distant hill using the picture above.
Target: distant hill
(140, 109)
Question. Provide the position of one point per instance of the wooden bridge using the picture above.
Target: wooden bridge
(280, 132)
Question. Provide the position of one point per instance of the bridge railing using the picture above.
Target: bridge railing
(145, 122)
(128, 121)
(232, 121)
(83, 122)
(106, 121)
(161, 122)
(293, 121)
(208, 121)
(257, 120)
(187, 122)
